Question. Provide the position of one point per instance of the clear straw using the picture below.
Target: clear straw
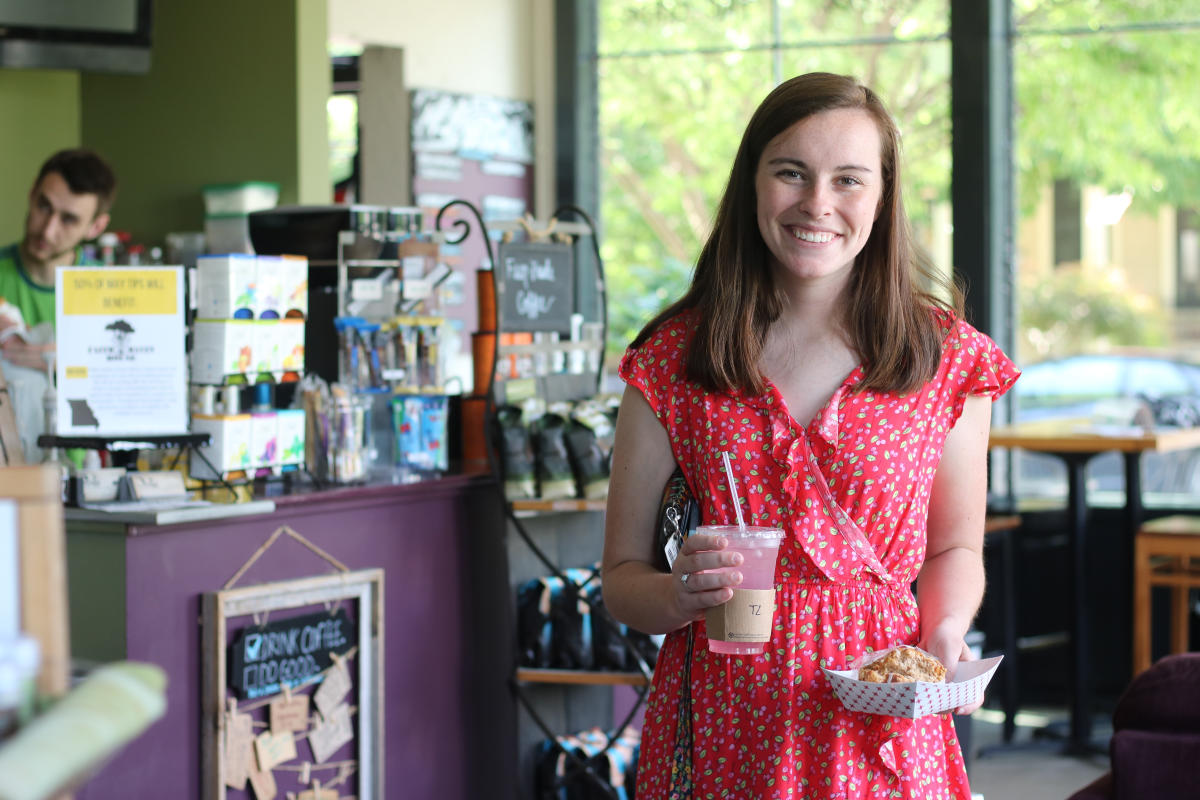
(737, 505)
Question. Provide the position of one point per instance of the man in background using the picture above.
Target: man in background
(68, 205)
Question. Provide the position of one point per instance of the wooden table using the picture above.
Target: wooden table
(1076, 443)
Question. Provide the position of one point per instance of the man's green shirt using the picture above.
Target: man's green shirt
(35, 301)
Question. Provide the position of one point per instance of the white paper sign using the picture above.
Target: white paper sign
(121, 365)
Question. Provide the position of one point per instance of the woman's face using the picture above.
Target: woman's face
(818, 188)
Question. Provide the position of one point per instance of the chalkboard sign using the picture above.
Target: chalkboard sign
(535, 286)
(321, 727)
(287, 651)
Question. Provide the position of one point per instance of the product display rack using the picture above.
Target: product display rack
(518, 511)
(374, 289)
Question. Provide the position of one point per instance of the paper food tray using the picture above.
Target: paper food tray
(916, 699)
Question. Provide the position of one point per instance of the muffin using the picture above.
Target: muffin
(903, 665)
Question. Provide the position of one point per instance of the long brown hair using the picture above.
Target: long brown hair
(887, 315)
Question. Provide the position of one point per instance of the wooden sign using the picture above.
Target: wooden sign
(292, 743)
(289, 652)
(535, 286)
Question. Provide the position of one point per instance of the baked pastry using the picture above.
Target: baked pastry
(903, 665)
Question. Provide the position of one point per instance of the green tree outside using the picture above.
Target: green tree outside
(1102, 93)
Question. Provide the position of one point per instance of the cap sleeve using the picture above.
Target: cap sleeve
(992, 372)
(974, 366)
(656, 368)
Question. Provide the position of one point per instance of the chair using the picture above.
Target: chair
(1156, 735)
(1166, 553)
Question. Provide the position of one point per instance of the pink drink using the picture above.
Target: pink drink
(743, 625)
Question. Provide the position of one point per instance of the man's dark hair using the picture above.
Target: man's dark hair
(85, 173)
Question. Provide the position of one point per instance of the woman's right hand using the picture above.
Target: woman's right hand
(699, 585)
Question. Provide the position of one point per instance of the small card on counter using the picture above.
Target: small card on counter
(153, 485)
(99, 485)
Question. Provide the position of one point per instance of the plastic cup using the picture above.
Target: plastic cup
(742, 626)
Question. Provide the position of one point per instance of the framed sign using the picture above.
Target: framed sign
(121, 365)
(535, 286)
(293, 691)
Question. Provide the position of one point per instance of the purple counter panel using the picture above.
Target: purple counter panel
(446, 651)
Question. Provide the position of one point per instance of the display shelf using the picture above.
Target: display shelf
(535, 506)
(130, 442)
(581, 677)
(570, 385)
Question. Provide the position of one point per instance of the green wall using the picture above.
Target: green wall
(231, 96)
(40, 110)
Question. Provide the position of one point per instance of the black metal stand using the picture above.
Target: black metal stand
(124, 449)
(576, 765)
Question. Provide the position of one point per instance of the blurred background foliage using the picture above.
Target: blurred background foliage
(1103, 93)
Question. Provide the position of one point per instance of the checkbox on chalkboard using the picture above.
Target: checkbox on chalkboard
(253, 647)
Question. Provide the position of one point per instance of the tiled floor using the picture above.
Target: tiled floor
(1028, 769)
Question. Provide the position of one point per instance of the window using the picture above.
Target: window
(679, 81)
(1106, 162)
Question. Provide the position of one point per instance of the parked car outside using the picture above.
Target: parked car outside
(1109, 388)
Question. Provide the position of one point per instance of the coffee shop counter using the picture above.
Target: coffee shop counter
(135, 593)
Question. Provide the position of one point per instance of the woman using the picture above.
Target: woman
(855, 408)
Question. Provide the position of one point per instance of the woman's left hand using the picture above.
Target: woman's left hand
(950, 649)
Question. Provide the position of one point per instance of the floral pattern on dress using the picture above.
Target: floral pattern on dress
(851, 491)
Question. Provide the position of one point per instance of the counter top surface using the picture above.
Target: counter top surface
(166, 515)
(139, 520)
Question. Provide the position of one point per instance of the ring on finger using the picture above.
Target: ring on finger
(684, 578)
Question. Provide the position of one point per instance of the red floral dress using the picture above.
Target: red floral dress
(851, 491)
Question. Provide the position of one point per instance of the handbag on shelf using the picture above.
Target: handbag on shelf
(678, 517)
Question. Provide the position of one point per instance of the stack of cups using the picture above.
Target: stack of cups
(483, 356)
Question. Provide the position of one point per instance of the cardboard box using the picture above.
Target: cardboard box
(226, 286)
(295, 286)
(222, 348)
(268, 357)
(229, 450)
(290, 425)
(419, 422)
(290, 341)
(264, 440)
(268, 295)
